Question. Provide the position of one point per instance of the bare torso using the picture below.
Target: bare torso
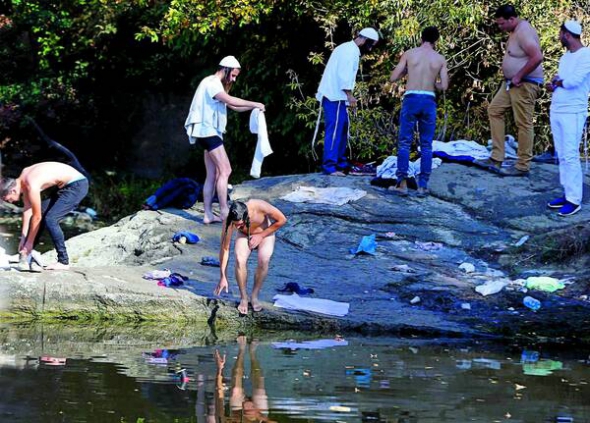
(423, 68)
(259, 220)
(48, 174)
(515, 57)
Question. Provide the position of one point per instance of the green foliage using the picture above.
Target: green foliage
(84, 69)
(115, 195)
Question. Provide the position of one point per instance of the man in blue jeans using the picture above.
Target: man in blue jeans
(426, 71)
(335, 94)
(71, 187)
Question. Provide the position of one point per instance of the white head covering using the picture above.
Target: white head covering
(574, 27)
(230, 62)
(369, 33)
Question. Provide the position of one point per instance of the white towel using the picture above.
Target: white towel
(315, 305)
(263, 149)
(332, 195)
(318, 344)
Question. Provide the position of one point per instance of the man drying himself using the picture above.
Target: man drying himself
(256, 222)
(72, 187)
(423, 67)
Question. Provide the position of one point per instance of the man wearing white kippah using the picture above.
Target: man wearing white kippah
(205, 124)
(335, 94)
(568, 114)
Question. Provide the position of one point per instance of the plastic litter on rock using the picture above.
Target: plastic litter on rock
(491, 287)
(467, 267)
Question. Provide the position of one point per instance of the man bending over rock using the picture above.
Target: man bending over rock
(72, 187)
(256, 222)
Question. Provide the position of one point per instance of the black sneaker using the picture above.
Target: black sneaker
(557, 203)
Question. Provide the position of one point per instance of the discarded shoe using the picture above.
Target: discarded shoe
(291, 287)
(569, 208)
(557, 203)
(512, 171)
(360, 169)
(210, 261)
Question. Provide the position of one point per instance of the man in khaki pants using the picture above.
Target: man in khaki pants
(523, 77)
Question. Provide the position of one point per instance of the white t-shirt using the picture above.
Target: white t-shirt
(574, 70)
(207, 116)
(340, 72)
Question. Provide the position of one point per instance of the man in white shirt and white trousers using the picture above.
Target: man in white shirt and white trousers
(568, 114)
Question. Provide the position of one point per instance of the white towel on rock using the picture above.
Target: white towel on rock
(337, 196)
(315, 305)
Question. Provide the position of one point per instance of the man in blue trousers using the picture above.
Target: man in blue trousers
(335, 94)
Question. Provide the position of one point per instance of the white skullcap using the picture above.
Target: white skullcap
(574, 27)
(369, 33)
(230, 62)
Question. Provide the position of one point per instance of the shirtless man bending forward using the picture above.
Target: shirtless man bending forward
(256, 222)
(426, 71)
(72, 187)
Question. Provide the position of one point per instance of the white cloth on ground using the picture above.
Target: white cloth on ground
(263, 149)
(315, 305)
(337, 196)
(510, 147)
(207, 116)
(461, 148)
(317, 344)
(387, 169)
(567, 130)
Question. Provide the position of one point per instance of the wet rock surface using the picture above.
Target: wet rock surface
(413, 284)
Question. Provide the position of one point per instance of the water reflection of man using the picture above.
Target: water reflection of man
(242, 407)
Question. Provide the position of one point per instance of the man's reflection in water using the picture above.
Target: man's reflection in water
(242, 408)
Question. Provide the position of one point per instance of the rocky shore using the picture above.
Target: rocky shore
(431, 254)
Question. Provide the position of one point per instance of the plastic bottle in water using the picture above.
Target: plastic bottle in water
(531, 303)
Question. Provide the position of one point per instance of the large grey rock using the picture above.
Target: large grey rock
(472, 216)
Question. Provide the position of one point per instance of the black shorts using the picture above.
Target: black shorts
(210, 143)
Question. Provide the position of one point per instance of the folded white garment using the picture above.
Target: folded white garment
(315, 305)
(333, 195)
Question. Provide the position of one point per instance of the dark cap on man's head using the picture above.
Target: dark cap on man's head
(506, 11)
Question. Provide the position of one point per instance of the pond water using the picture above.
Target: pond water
(333, 379)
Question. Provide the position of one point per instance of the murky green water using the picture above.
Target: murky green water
(125, 376)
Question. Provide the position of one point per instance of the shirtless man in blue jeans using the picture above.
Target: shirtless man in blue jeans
(426, 71)
(72, 187)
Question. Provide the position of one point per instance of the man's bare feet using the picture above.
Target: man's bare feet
(256, 306)
(57, 266)
(211, 219)
(243, 306)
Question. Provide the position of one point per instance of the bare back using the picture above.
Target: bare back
(424, 67)
(515, 56)
(44, 175)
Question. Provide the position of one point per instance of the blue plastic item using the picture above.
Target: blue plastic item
(368, 245)
(531, 303)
